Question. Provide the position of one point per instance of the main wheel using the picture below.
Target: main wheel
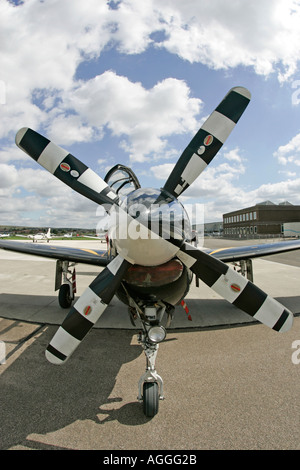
(150, 399)
(64, 298)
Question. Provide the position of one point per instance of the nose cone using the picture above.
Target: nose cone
(146, 251)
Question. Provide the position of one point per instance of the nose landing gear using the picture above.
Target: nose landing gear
(150, 381)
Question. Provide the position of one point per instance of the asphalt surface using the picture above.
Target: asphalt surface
(229, 383)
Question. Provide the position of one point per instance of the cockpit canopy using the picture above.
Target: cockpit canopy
(122, 180)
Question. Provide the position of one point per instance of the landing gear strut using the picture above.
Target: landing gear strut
(65, 282)
(151, 382)
(150, 388)
(245, 268)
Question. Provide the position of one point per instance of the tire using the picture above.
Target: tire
(150, 399)
(64, 299)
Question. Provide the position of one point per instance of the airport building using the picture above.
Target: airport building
(265, 219)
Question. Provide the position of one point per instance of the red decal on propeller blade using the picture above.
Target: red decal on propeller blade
(235, 287)
(65, 167)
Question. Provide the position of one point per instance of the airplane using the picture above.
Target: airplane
(68, 235)
(101, 237)
(39, 236)
(4, 235)
(150, 260)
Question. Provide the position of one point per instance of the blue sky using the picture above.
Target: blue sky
(131, 82)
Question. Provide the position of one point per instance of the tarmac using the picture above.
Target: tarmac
(230, 382)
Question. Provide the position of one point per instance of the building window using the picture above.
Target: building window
(251, 215)
(254, 215)
(247, 216)
(255, 229)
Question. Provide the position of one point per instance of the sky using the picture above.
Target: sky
(131, 82)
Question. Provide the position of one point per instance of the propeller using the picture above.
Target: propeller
(208, 141)
(216, 274)
(65, 167)
(235, 288)
(86, 311)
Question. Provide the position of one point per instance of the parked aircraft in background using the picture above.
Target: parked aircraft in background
(37, 237)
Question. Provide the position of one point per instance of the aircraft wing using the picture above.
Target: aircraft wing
(253, 251)
(77, 255)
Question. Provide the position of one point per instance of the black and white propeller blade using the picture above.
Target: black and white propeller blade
(213, 272)
(86, 311)
(235, 288)
(208, 141)
(65, 167)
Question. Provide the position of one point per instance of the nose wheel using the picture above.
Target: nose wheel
(150, 398)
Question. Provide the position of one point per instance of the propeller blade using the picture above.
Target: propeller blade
(208, 141)
(65, 167)
(86, 311)
(235, 288)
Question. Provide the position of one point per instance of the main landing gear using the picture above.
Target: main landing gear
(65, 283)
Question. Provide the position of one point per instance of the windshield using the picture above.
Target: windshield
(122, 180)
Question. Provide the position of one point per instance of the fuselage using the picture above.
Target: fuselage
(139, 231)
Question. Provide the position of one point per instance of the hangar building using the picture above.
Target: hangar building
(265, 219)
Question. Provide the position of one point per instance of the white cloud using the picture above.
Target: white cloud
(261, 34)
(34, 196)
(289, 153)
(161, 172)
(9, 175)
(233, 155)
(43, 44)
(70, 129)
(143, 118)
(10, 153)
(218, 188)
